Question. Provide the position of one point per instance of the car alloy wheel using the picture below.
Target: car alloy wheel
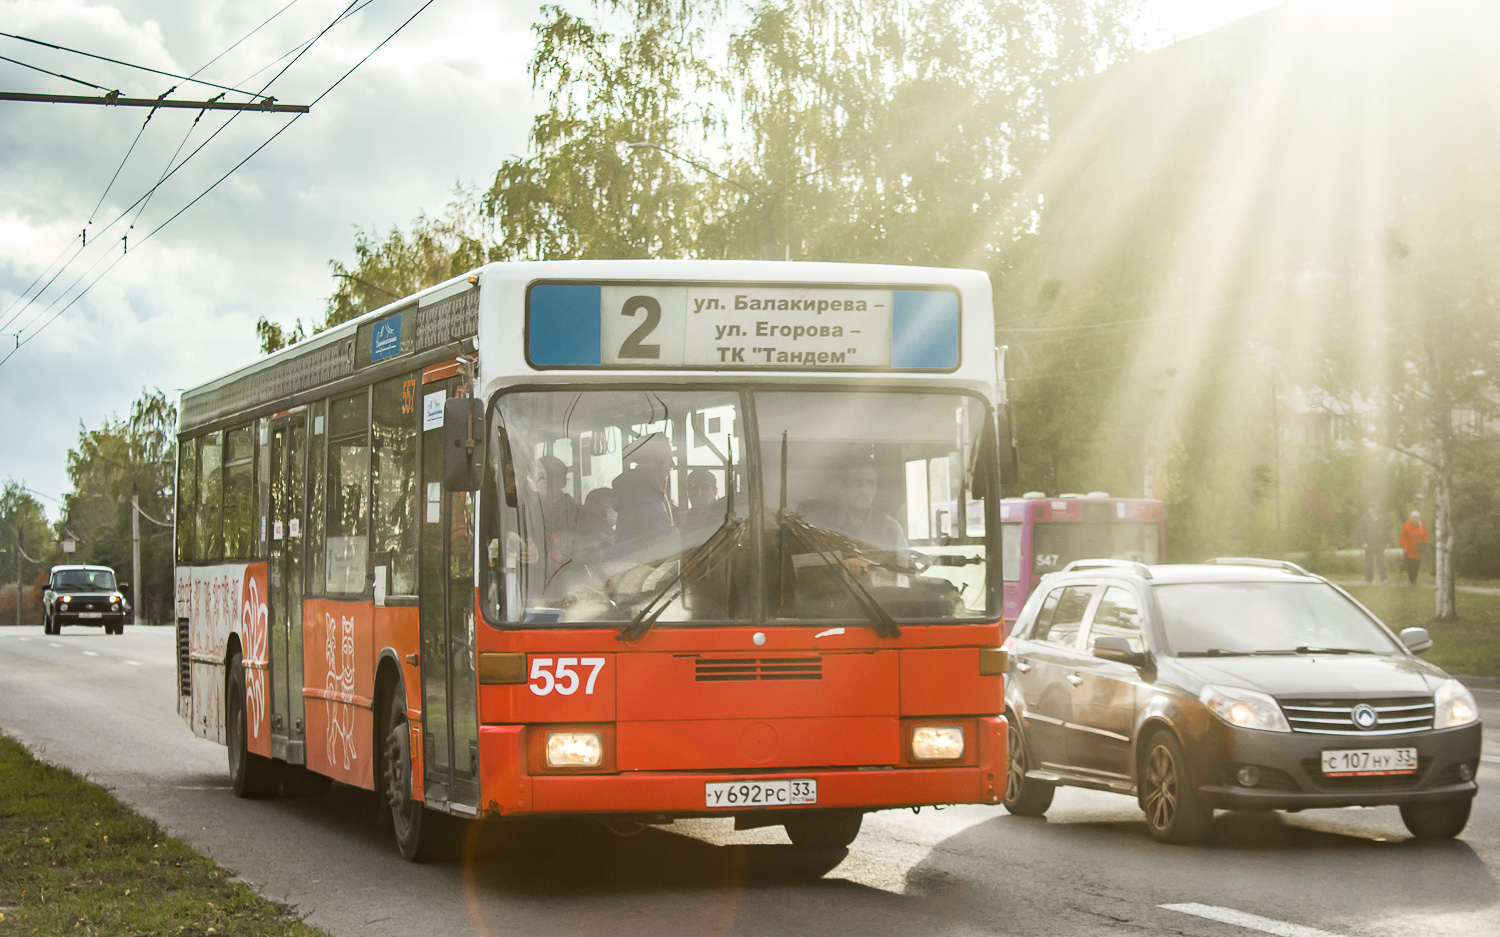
(1175, 810)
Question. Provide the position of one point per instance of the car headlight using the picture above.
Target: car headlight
(1455, 706)
(937, 743)
(65, 600)
(1245, 709)
(574, 749)
(117, 598)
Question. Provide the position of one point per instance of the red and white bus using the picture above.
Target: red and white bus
(1042, 535)
(640, 540)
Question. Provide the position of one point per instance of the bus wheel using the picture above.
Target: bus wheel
(250, 775)
(417, 829)
(824, 829)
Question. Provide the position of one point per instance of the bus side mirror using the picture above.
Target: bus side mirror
(1010, 467)
(463, 443)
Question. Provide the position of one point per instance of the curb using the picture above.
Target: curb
(1478, 683)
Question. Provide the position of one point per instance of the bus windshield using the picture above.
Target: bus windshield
(615, 505)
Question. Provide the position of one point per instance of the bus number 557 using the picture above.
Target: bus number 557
(562, 678)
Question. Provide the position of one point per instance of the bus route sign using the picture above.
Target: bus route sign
(716, 326)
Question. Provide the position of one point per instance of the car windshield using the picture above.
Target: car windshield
(636, 506)
(83, 580)
(1265, 618)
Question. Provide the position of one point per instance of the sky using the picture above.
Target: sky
(440, 105)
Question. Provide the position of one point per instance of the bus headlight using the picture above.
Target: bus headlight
(1455, 706)
(937, 743)
(574, 749)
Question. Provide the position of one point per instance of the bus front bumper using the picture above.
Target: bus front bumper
(508, 790)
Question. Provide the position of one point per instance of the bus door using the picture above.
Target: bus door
(284, 575)
(450, 719)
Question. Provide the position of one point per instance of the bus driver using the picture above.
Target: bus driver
(853, 512)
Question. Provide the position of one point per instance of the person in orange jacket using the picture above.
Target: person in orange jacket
(1413, 544)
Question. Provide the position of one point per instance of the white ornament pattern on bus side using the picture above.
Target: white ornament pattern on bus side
(338, 689)
(255, 639)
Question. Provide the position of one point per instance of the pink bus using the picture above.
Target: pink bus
(1041, 535)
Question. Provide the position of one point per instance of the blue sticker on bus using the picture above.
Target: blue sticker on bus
(385, 340)
(564, 325)
(924, 329)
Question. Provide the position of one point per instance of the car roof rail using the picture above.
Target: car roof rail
(1285, 565)
(1140, 569)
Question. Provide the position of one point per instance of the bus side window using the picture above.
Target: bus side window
(394, 479)
(316, 480)
(187, 498)
(210, 545)
(239, 493)
(348, 494)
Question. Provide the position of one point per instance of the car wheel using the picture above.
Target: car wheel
(46, 624)
(1175, 810)
(824, 829)
(1440, 819)
(420, 833)
(1024, 797)
(250, 775)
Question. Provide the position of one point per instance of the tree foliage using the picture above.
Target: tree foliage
(121, 458)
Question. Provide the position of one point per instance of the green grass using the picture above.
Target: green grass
(74, 860)
(1470, 645)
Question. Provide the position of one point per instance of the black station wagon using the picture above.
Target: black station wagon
(1237, 683)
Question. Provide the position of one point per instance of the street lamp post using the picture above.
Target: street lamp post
(768, 249)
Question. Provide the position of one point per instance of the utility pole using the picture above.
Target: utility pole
(20, 538)
(135, 557)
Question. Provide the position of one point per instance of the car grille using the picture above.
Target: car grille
(1374, 783)
(730, 669)
(85, 603)
(1395, 715)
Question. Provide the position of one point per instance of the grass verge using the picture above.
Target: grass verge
(1470, 645)
(74, 860)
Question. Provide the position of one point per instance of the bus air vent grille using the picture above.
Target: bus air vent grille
(184, 672)
(743, 669)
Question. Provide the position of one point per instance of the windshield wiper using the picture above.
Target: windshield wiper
(1306, 649)
(1216, 652)
(820, 540)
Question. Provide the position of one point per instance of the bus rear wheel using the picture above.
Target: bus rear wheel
(250, 775)
(419, 831)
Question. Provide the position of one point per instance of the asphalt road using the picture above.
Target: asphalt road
(104, 706)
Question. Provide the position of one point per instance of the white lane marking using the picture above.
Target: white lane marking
(53, 644)
(90, 653)
(1492, 759)
(133, 663)
(23, 639)
(1247, 920)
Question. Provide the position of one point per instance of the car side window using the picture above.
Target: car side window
(1067, 618)
(1044, 615)
(1119, 616)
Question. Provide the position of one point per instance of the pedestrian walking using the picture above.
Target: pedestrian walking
(1413, 544)
(1373, 536)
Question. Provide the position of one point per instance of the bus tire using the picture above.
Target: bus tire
(1024, 797)
(250, 775)
(418, 830)
(824, 829)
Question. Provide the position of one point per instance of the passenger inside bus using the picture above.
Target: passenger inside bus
(852, 512)
(645, 517)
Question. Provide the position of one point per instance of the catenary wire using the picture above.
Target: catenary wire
(41, 328)
(77, 81)
(154, 71)
(348, 11)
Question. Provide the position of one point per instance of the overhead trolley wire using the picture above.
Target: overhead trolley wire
(252, 32)
(154, 71)
(77, 81)
(118, 257)
(348, 11)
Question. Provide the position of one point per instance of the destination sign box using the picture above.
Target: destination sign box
(741, 326)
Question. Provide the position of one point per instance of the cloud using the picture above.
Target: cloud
(443, 102)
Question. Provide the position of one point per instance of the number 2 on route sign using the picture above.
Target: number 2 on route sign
(564, 675)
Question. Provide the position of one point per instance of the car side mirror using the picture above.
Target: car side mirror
(463, 443)
(1416, 640)
(1111, 647)
(124, 589)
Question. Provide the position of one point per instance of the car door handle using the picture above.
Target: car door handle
(1074, 679)
(1022, 666)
